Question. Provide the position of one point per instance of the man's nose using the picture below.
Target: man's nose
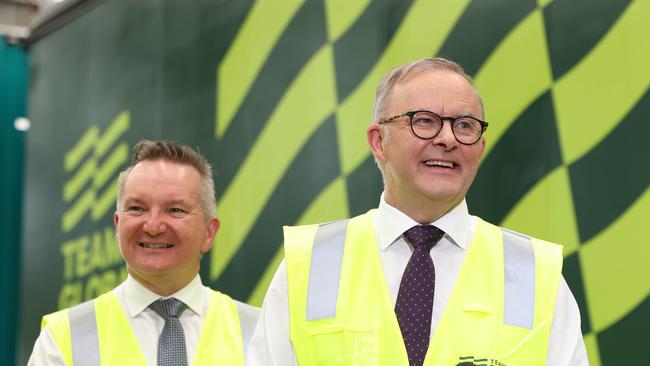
(446, 135)
(154, 223)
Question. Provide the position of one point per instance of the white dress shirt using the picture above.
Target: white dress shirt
(271, 345)
(147, 324)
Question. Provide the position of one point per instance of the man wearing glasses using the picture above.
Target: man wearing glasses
(419, 281)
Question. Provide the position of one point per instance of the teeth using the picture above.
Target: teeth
(439, 163)
(156, 246)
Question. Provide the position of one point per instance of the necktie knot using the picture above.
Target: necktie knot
(423, 235)
(168, 308)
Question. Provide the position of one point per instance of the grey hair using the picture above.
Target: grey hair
(148, 150)
(399, 73)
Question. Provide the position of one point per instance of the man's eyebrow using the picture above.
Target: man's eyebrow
(467, 114)
(132, 199)
(177, 202)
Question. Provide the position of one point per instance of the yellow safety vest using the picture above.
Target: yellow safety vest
(97, 332)
(341, 312)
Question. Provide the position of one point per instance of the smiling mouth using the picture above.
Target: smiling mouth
(156, 245)
(440, 163)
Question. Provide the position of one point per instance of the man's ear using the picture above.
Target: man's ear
(212, 228)
(375, 136)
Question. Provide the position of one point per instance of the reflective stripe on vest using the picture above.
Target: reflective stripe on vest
(325, 270)
(83, 333)
(519, 285)
(85, 338)
(327, 260)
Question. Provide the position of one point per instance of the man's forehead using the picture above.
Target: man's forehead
(162, 172)
(433, 76)
(447, 81)
(161, 162)
(162, 166)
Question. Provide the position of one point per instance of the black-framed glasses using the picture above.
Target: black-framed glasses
(427, 125)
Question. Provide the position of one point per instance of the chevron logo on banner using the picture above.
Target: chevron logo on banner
(90, 190)
(566, 89)
(92, 263)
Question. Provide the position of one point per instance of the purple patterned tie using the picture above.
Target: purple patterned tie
(415, 298)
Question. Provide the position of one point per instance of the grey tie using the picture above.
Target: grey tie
(171, 344)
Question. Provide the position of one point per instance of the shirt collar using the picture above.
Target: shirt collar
(392, 223)
(138, 298)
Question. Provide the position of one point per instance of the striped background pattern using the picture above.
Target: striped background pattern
(566, 89)
(82, 164)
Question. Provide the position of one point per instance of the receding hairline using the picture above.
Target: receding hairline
(401, 73)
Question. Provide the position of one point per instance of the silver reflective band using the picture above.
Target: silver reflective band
(83, 334)
(247, 320)
(519, 286)
(325, 270)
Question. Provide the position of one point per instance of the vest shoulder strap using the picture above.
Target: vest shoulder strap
(79, 330)
(58, 324)
(325, 270)
(528, 263)
(323, 245)
(76, 330)
(221, 337)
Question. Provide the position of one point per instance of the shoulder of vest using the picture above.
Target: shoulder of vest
(311, 226)
(63, 312)
(496, 227)
(54, 318)
(218, 294)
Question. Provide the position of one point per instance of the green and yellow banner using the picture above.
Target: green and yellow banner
(278, 94)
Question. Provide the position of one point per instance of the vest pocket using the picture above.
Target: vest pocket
(341, 346)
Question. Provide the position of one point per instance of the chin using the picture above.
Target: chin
(437, 196)
(154, 268)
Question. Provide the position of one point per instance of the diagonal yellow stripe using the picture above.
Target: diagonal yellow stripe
(105, 201)
(260, 31)
(75, 213)
(615, 267)
(596, 94)
(330, 205)
(547, 212)
(72, 187)
(355, 113)
(341, 14)
(307, 103)
(117, 158)
(516, 73)
(256, 297)
(85, 144)
(118, 126)
(593, 351)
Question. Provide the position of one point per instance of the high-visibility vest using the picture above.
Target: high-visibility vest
(98, 332)
(341, 312)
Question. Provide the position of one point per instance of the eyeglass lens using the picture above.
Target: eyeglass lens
(427, 125)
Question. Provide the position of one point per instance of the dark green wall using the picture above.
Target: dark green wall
(13, 99)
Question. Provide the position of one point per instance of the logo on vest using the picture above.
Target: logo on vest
(474, 361)
(365, 348)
